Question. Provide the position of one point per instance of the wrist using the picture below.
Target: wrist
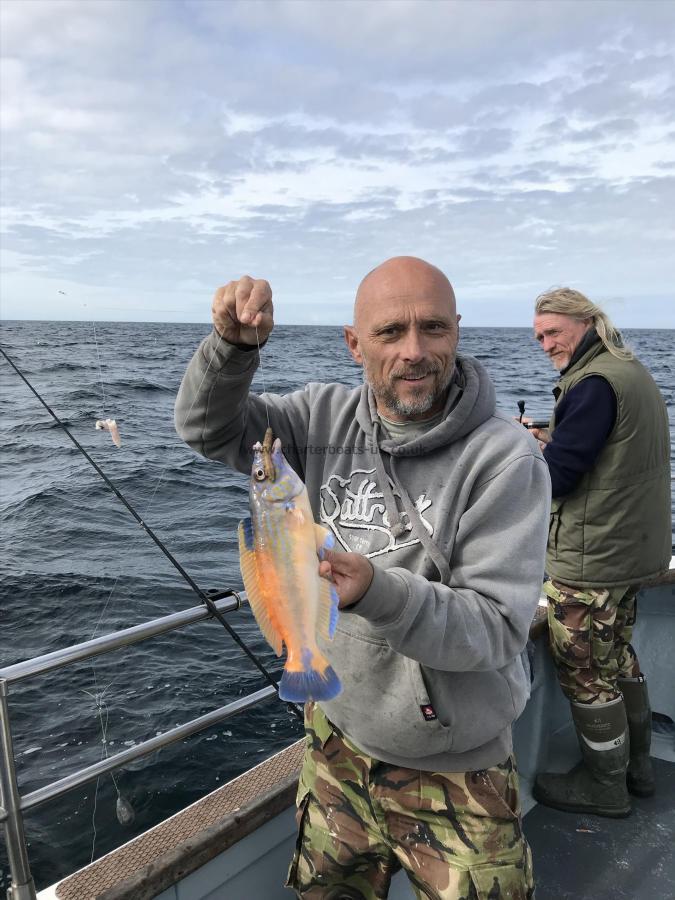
(384, 598)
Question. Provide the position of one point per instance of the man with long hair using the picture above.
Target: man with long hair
(608, 452)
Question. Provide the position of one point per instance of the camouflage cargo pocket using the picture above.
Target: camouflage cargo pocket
(570, 623)
(300, 814)
(502, 783)
(513, 881)
(337, 859)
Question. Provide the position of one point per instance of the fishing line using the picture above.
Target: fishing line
(205, 599)
(107, 602)
(93, 820)
(124, 810)
(100, 373)
(262, 375)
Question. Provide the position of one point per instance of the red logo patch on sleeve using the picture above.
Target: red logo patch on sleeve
(428, 712)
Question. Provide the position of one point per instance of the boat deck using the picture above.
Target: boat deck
(578, 856)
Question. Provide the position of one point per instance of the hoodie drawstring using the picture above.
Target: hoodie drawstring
(435, 554)
(394, 516)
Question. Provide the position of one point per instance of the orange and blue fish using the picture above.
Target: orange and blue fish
(279, 551)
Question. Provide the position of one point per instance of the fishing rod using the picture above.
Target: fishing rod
(204, 597)
(530, 425)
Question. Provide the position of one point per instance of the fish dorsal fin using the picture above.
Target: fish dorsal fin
(258, 575)
(328, 609)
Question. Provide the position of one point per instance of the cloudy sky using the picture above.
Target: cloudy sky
(152, 151)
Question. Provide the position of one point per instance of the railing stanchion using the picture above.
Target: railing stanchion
(22, 887)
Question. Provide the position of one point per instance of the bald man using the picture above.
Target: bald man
(439, 507)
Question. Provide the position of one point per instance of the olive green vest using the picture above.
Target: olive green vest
(614, 528)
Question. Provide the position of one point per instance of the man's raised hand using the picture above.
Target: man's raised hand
(240, 307)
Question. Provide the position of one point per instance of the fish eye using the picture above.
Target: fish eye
(259, 474)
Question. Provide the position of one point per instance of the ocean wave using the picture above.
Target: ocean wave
(66, 367)
(144, 386)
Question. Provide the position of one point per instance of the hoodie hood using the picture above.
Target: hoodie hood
(461, 416)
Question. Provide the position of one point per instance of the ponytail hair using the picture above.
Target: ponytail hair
(568, 302)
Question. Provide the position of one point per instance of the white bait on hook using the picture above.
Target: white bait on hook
(111, 426)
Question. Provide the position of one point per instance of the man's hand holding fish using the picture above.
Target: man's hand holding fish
(436, 506)
(351, 574)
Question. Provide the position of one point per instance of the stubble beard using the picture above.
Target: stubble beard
(559, 362)
(422, 401)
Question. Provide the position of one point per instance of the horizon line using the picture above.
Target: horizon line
(288, 324)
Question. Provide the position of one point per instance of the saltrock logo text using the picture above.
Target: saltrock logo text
(354, 510)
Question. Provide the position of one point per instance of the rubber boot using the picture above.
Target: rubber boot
(640, 774)
(598, 785)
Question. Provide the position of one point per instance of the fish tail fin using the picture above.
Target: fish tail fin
(315, 681)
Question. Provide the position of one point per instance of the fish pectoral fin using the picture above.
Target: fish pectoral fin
(296, 515)
(252, 568)
(324, 539)
(328, 609)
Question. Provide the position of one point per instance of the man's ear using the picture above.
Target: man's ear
(352, 342)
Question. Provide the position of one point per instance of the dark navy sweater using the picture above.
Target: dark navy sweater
(584, 420)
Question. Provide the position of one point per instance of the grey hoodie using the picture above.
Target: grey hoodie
(455, 525)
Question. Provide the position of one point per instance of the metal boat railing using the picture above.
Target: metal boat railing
(13, 804)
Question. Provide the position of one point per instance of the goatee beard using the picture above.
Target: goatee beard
(422, 401)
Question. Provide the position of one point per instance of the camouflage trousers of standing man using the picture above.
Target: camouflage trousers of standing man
(590, 630)
(457, 835)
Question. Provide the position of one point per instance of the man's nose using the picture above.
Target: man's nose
(412, 349)
(547, 343)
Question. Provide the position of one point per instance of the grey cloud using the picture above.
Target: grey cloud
(435, 111)
(608, 129)
(624, 86)
(485, 142)
(458, 41)
(517, 95)
(587, 228)
(123, 116)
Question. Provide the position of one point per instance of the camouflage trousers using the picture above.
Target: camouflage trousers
(457, 835)
(589, 634)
